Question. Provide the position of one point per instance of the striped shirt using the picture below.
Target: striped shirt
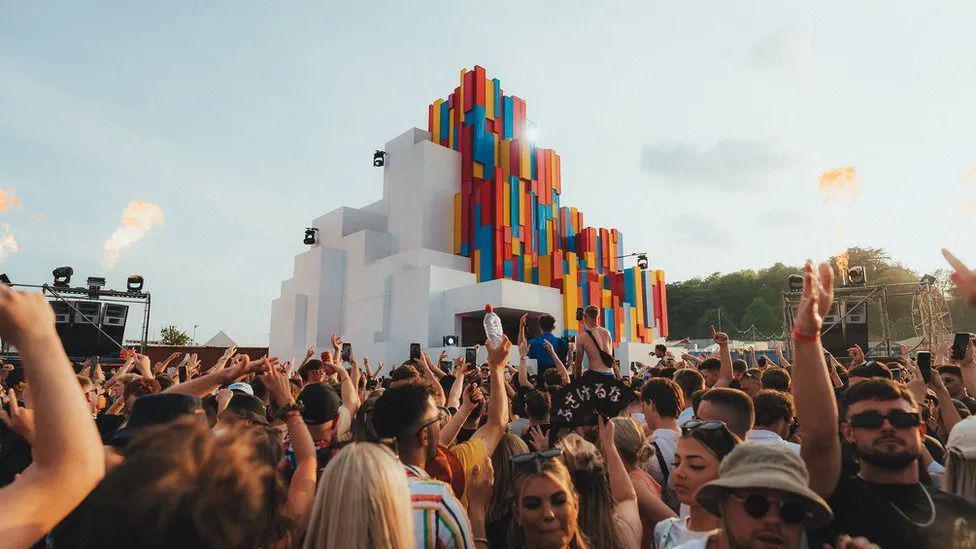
(439, 519)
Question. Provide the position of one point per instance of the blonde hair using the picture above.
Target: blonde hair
(363, 500)
(503, 495)
(589, 473)
(629, 439)
(556, 471)
(960, 475)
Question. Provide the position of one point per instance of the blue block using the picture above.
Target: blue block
(445, 119)
(509, 118)
(498, 96)
(465, 249)
(609, 323)
(630, 288)
(508, 268)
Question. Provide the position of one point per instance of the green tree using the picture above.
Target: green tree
(171, 335)
(761, 317)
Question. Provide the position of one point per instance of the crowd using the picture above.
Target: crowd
(687, 451)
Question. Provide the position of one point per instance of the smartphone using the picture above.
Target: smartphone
(415, 351)
(447, 366)
(579, 314)
(896, 374)
(346, 351)
(470, 357)
(959, 344)
(924, 360)
(182, 374)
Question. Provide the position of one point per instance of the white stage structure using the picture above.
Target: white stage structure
(385, 275)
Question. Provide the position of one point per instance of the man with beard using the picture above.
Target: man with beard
(885, 502)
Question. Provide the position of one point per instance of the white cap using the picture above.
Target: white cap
(963, 438)
(242, 387)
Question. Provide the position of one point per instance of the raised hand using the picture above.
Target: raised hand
(548, 347)
(818, 295)
(964, 277)
(336, 343)
(498, 356)
(144, 365)
(721, 338)
(19, 420)
(223, 399)
(24, 316)
(278, 386)
(605, 434)
(479, 491)
(540, 442)
(310, 352)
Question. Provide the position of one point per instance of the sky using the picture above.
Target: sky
(698, 129)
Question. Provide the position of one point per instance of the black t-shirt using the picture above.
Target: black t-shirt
(878, 512)
(970, 403)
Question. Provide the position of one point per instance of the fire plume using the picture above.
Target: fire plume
(139, 216)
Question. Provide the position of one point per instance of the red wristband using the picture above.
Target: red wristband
(800, 336)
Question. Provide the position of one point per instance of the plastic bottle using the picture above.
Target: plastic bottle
(493, 327)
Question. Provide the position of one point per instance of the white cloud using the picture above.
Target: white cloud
(698, 230)
(8, 245)
(731, 164)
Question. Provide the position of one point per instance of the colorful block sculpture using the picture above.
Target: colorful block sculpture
(508, 220)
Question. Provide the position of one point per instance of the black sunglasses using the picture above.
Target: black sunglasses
(441, 416)
(698, 424)
(791, 511)
(872, 419)
(535, 459)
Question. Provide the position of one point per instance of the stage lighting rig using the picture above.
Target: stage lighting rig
(134, 284)
(450, 341)
(856, 276)
(310, 236)
(95, 283)
(795, 283)
(62, 276)
(5, 279)
(379, 159)
(642, 261)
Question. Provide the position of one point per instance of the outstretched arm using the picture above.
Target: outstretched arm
(491, 432)
(621, 487)
(724, 357)
(68, 456)
(812, 390)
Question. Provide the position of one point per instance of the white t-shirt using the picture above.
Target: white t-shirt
(667, 441)
(685, 416)
(673, 532)
(519, 426)
(769, 437)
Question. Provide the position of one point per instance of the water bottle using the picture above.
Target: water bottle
(493, 327)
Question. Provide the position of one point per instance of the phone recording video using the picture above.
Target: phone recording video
(415, 351)
(346, 351)
(924, 360)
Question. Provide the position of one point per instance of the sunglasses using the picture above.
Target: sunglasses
(704, 425)
(757, 506)
(750, 375)
(535, 459)
(899, 419)
(441, 416)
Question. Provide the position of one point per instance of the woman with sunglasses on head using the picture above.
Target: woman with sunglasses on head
(701, 448)
(500, 508)
(547, 506)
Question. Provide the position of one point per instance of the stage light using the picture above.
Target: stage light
(642, 261)
(450, 341)
(94, 284)
(927, 279)
(795, 283)
(5, 279)
(134, 283)
(379, 158)
(310, 238)
(531, 132)
(856, 276)
(62, 276)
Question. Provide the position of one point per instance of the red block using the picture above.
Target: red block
(430, 118)
(467, 166)
(479, 85)
(468, 90)
(514, 158)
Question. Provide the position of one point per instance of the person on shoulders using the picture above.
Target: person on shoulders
(537, 348)
(596, 344)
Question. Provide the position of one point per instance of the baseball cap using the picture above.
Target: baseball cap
(241, 387)
(320, 402)
(249, 407)
(156, 409)
(963, 438)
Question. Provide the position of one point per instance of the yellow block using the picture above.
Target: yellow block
(436, 130)
(477, 264)
(545, 270)
(590, 259)
(570, 299)
(607, 299)
(457, 223)
(639, 291)
(516, 245)
(525, 167)
(494, 137)
(526, 268)
(490, 98)
(478, 170)
(504, 159)
(633, 324)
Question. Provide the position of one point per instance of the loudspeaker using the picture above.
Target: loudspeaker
(62, 313)
(837, 336)
(113, 324)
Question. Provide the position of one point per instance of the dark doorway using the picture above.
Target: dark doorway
(473, 327)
